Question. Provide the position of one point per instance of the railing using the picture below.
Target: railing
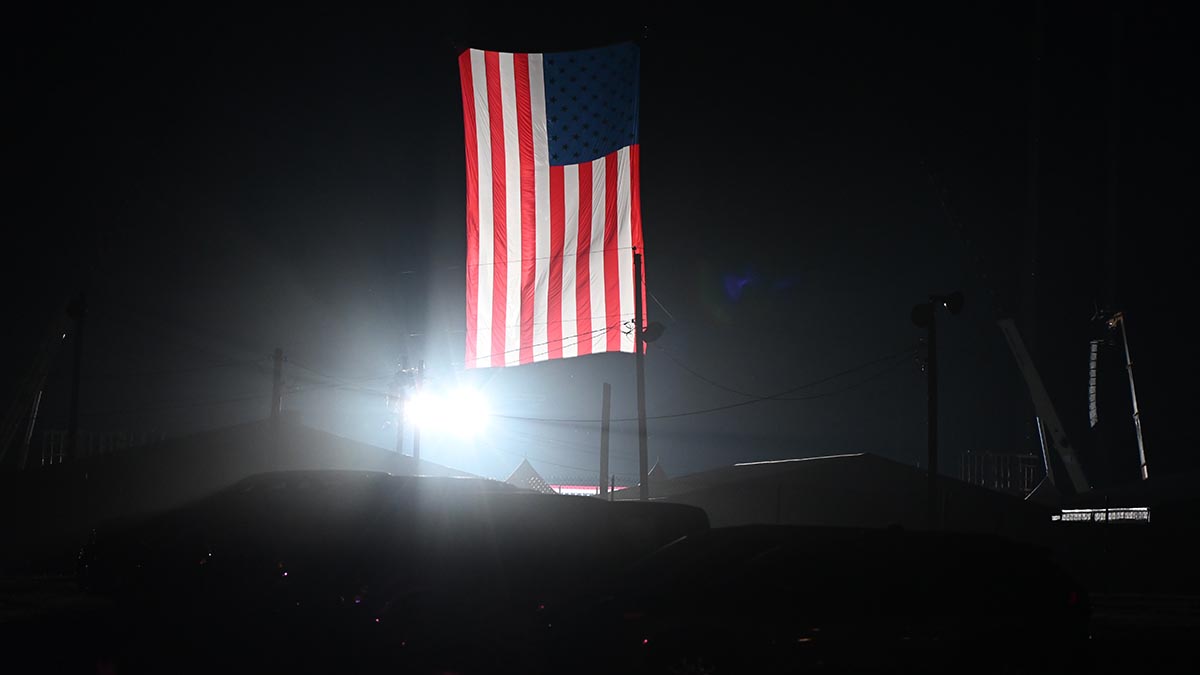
(93, 443)
(1006, 472)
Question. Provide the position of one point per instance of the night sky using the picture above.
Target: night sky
(222, 183)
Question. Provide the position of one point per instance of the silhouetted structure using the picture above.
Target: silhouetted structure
(1017, 474)
(61, 503)
(526, 477)
(857, 490)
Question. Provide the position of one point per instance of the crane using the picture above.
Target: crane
(23, 409)
(1050, 428)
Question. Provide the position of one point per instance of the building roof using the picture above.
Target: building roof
(77, 495)
(526, 477)
(852, 490)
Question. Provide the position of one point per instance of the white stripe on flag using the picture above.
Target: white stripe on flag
(541, 180)
(512, 196)
(596, 262)
(625, 245)
(483, 142)
(570, 324)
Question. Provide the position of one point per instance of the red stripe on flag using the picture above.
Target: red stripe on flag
(635, 198)
(612, 272)
(499, 224)
(468, 94)
(583, 293)
(528, 215)
(558, 231)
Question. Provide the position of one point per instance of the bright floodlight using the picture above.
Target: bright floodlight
(463, 412)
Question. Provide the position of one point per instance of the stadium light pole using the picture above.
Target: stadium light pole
(925, 316)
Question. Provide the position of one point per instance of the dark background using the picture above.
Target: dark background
(223, 182)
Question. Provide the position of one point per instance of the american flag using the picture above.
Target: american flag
(553, 209)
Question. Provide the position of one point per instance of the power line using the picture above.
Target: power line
(564, 338)
(508, 326)
(795, 398)
(546, 461)
(590, 450)
(780, 396)
(662, 307)
(172, 406)
(343, 386)
(700, 377)
(221, 401)
(175, 328)
(173, 371)
(212, 402)
(343, 380)
(512, 261)
(906, 352)
(565, 254)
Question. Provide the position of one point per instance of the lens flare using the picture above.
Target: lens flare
(462, 412)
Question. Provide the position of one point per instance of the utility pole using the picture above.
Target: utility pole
(1029, 264)
(401, 395)
(925, 315)
(400, 427)
(417, 427)
(277, 390)
(78, 311)
(640, 359)
(1115, 77)
(1033, 179)
(605, 414)
(932, 400)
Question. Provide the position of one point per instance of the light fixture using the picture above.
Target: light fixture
(463, 412)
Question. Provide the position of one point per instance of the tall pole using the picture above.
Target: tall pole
(1137, 416)
(402, 395)
(933, 428)
(1029, 264)
(400, 427)
(417, 427)
(605, 414)
(640, 359)
(277, 389)
(1115, 76)
(925, 314)
(79, 310)
(1033, 181)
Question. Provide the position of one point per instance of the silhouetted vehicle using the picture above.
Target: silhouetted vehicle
(337, 571)
(769, 599)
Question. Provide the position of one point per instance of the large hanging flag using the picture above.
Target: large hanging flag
(553, 210)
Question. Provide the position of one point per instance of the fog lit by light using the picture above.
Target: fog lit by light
(462, 412)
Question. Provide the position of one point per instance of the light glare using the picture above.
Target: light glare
(463, 412)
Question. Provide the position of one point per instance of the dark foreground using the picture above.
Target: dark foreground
(49, 626)
(356, 572)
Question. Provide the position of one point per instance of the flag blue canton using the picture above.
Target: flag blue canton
(591, 102)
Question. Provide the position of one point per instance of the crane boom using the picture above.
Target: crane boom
(1047, 416)
(28, 395)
